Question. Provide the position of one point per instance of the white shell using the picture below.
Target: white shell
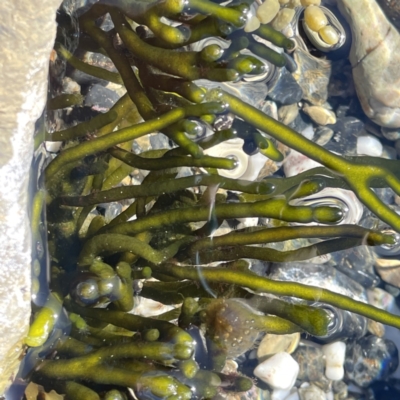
(280, 371)
(334, 359)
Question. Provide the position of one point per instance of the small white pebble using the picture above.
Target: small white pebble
(283, 19)
(280, 371)
(334, 359)
(369, 146)
(252, 24)
(53, 147)
(268, 10)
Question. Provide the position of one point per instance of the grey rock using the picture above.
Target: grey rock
(390, 134)
(27, 34)
(100, 98)
(286, 91)
(323, 135)
(374, 58)
(313, 76)
(311, 392)
(311, 363)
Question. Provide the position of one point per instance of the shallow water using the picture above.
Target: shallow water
(211, 221)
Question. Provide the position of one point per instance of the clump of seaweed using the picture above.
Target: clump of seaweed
(93, 269)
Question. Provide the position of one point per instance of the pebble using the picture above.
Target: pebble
(100, 98)
(313, 76)
(270, 108)
(279, 394)
(323, 135)
(279, 372)
(389, 270)
(53, 147)
(340, 390)
(334, 359)
(252, 24)
(286, 90)
(287, 114)
(376, 328)
(272, 344)
(390, 134)
(369, 146)
(311, 362)
(311, 392)
(267, 11)
(315, 18)
(376, 73)
(358, 264)
(296, 163)
(283, 19)
(369, 359)
(320, 115)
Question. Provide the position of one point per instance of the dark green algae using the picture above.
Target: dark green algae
(94, 269)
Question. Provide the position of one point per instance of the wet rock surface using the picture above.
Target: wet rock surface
(27, 33)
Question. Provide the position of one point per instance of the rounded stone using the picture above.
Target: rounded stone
(369, 359)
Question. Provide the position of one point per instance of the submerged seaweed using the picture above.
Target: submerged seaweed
(99, 265)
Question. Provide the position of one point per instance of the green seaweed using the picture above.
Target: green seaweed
(103, 263)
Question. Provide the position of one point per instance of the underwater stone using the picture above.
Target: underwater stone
(286, 91)
(390, 134)
(283, 19)
(311, 392)
(27, 34)
(100, 98)
(358, 264)
(287, 114)
(267, 11)
(323, 276)
(334, 358)
(311, 363)
(374, 58)
(272, 344)
(392, 10)
(370, 359)
(369, 146)
(280, 371)
(323, 135)
(320, 115)
(313, 75)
